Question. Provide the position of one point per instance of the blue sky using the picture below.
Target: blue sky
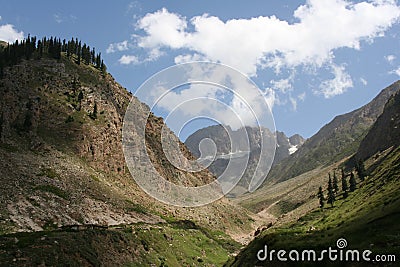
(313, 59)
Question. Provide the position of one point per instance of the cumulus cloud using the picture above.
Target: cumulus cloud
(114, 47)
(250, 44)
(338, 85)
(128, 59)
(223, 95)
(9, 34)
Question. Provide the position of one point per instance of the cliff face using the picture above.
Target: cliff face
(249, 139)
(384, 133)
(61, 159)
(338, 139)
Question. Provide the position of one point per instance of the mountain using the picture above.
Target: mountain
(366, 218)
(235, 142)
(337, 139)
(290, 183)
(286, 146)
(384, 133)
(62, 170)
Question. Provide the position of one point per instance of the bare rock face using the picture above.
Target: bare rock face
(229, 141)
(61, 158)
(296, 140)
(244, 142)
(338, 139)
(384, 133)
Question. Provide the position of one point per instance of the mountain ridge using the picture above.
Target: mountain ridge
(366, 217)
(337, 139)
(243, 142)
(62, 160)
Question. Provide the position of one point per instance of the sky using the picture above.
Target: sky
(312, 60)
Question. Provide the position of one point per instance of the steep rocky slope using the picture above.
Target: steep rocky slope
(384, 133)
(61, 160)
(284, 145)
(292, 195)
(336, 140)
(241, 143)
(366, 218)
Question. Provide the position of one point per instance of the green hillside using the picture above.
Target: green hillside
(336, 140)
(62, 166)
(367, 218)
(173, 244)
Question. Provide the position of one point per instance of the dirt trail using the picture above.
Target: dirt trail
(261, 219)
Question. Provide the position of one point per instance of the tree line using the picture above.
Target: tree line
(32, 48)
(348, 184)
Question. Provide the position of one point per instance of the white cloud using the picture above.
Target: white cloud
(114, 47)
(153, 55)
(250, 44)
(363, 81)
(283, 85)
(396, 71)
(223, 95)
(73, 18)
(58, 18)
(302, 96)
(293, 101)
(1, 17)
(163, 29)
(390, 58)
(128, 59)
(338, 85)
(188, 58)
(270, 97)
(9, 34)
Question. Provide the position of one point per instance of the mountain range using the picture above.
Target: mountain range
(245, 143)
(365, 218)
(68, 198)
(62, 167)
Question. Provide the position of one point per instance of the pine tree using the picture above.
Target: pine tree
(40, 48)
(331, 193)
(79, 51)
(93, 116)
(64, 46)
(103, 67)
(335, 183)
(360, 168)
(57, 50)
(344, 185)
(321, 197)
(98, 60)
(80, 98)
(93, 56)
(352, 182)
(28, 48)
